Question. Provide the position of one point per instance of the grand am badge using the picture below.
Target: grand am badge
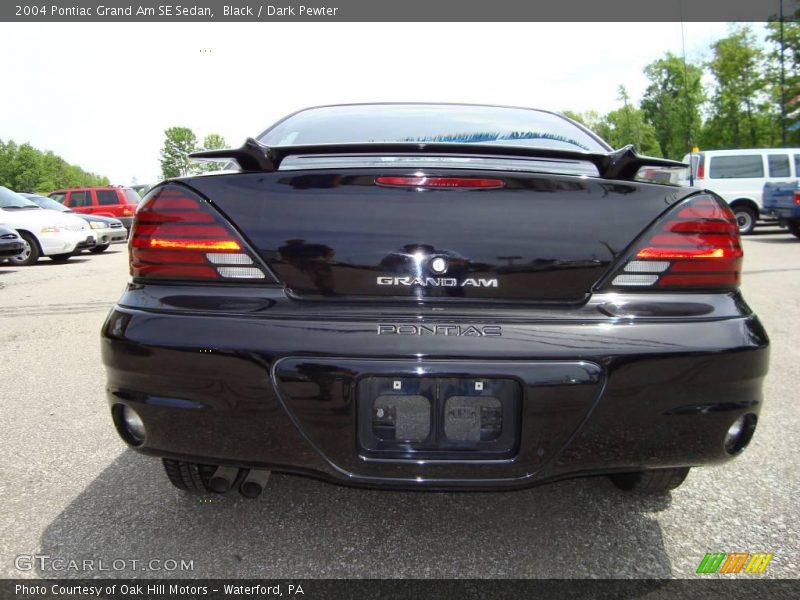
(436, 282)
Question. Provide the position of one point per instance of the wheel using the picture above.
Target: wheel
(655, 481)
(30, 254)
(745, 219)
(794, 228)
(99, 249)
(189, 477)
(59, 258)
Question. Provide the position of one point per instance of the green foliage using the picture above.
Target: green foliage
(671, 104)
(791, 57)
(739, 114)
(179, 142)
(621, 127)
(627, 125)
(213, 141)
(23, 168)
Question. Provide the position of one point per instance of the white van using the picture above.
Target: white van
(739, 177)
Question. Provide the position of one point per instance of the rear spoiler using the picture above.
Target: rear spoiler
(620, 164)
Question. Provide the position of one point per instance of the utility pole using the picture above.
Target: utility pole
(783, 87)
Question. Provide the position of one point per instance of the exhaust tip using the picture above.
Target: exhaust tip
(254, 483)
(223, 478)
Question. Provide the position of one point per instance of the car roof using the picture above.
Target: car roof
(745, 151)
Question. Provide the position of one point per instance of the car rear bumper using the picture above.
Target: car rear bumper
(227, 383)
(786, 213)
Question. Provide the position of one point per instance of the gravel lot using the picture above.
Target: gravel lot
(72, 490)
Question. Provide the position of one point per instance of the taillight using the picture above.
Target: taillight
(440, 182)
(797, 197)
(695, 246)
(178, 235)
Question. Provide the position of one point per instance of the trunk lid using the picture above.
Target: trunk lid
(336, 234)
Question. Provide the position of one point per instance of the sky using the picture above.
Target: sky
(101, 95)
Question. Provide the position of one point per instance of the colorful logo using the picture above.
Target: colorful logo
(734, 562)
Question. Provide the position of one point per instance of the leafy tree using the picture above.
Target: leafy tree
(621, 127)
(179, 142)
(627, 125)
(672, 102)
(24, 168)
(213, 141)
(739, 113)
(791, 55)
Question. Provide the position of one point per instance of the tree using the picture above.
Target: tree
(739, 115)
(23, 168)
(627, 125)
(791, 84)
(213, 141)
(672, 103)
(621, 127)
(179, 142)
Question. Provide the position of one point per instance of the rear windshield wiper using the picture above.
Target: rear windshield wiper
(619, 164)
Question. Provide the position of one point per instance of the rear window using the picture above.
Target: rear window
(132, 196)
(736, 167)
(107, 197)
(778, 165)
(388, 123)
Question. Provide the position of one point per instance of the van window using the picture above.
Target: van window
(797, 165)
(778, 165)
(736, 167)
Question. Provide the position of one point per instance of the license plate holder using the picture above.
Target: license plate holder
(451, 418)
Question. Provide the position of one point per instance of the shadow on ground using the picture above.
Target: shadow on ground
(302, 527)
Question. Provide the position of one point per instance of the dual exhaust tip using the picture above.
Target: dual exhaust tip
(251, 482)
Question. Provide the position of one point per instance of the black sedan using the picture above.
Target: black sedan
(431, 297)
(107, 229)
(10, 243)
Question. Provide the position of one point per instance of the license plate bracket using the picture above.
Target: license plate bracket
(449, 418)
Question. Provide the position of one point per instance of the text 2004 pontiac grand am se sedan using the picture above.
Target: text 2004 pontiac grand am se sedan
(430, 297)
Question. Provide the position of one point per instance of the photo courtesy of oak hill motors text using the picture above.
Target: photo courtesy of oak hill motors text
(177, 10)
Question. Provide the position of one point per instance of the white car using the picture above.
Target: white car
(45, 232)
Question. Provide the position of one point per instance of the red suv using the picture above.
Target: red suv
(110, 201)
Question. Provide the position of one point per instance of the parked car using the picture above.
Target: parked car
(43, 232)
(782, 200)
(141, 188)
(433, 296)
(111, 201)
(739, 177)
(107, 230)
(11, 243)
